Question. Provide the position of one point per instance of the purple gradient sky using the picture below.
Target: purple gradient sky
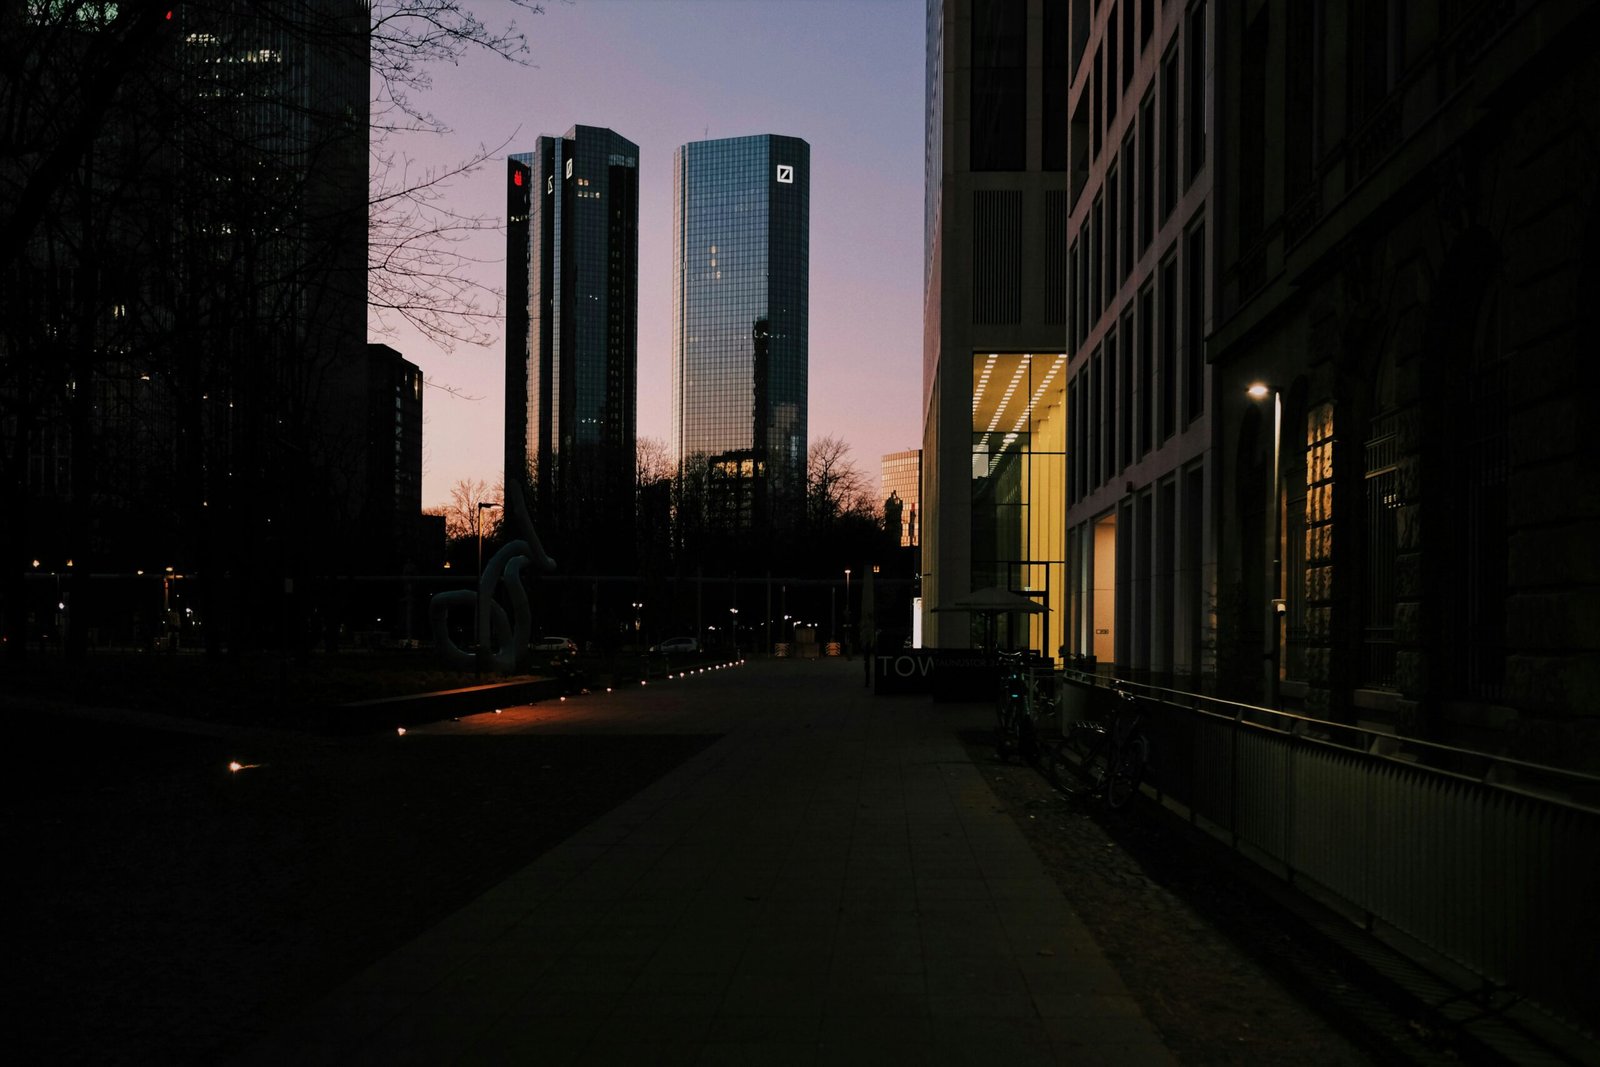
(845, 75)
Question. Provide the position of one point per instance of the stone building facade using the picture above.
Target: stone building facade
(1407, 261)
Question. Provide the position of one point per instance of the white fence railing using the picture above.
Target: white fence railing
(1490, 862)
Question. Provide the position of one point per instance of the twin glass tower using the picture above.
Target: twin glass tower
(741, 259)
(740, 300)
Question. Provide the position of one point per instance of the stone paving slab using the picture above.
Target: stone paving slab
(830, 882)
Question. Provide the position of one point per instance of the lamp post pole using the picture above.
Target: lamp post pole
(1273, 607)
(847, 613)
(483, 505)
(482, 608)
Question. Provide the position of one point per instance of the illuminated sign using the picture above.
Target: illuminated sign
(785, 174)
(569, 168)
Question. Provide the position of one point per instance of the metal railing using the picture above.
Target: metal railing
(1489, 862)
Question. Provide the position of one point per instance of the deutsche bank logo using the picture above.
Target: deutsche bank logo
(785, 174)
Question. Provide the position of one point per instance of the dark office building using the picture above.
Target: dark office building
(741, 268)
(387, 470)
(179, 293)
(572, 290)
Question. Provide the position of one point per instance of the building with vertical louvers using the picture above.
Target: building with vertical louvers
(994, 329)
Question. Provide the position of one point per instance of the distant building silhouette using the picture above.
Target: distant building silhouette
(386, 471)
(572, 289)
(902, 479)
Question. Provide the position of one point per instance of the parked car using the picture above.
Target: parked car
(678, 644)
(556, 644)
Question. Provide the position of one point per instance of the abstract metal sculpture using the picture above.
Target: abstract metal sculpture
(508, 636)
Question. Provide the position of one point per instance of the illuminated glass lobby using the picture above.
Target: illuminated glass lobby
(1018, 487)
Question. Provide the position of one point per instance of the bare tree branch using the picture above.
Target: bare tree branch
(415, 254)
(451, 390)
(409, 36)
(461, 511)
(418, 268)
(653, 462)
(835, 486)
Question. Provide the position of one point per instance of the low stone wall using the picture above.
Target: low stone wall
(387, 713)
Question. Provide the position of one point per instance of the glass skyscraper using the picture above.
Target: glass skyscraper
(572, 288)
(741, 267)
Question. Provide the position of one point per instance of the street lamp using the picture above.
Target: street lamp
(1274, 605)
(483, 505)
(477, 517)
(847, 608)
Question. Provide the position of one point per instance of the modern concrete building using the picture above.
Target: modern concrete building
(1139, 298)
(1409, 253)
(741, 262)
(572, 289)
(994, 332)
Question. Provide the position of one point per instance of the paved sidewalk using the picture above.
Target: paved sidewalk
(831, 882)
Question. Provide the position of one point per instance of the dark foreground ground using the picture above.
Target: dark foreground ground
(166, 909)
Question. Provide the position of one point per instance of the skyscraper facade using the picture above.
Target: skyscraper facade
(572, 288)
(741, 264)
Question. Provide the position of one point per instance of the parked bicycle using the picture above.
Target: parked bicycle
(1111, 751)
(1022, 704)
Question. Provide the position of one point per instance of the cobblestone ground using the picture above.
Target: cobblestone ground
(1226, 973)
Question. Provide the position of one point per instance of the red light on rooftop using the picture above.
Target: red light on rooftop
(169, 16)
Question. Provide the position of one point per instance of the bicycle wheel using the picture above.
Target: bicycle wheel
(1007, 737)
(1027, 737)
(1058, 767)
(1097, 763)
(1126, 771)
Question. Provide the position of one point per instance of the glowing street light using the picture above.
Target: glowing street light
(847, 612)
